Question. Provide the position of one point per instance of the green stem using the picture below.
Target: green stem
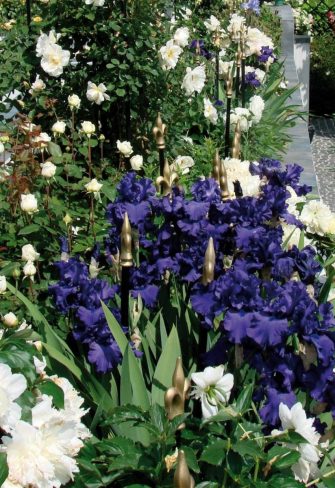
(256, 470)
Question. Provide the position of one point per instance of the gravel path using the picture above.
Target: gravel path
(323, 150)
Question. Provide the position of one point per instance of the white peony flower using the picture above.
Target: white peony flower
(136, 162)
(239, 170)
(181, 36)
(11, 387)
(48, 169)
(95, 3)
(3, 284)
(29, 270)
(88, 128)
(256, 107)
(318, 218)
(28, 203)
(210, 111)
(29, 253)
(242, 115)
(58, 127)
(213, 388)
(194, 80)
(73, 101)
(182, 164)
(124, 147)
(93, 186)
(96, 93)
(212, 24)
(169, 55)
(37, 86)
(54, 60)
(10, 320)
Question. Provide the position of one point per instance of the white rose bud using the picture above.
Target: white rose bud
(93, 186)
(74, 101)
(88, 128)
(29, 269)
(136, 162)
(29, 253)
(58, 127)
(3, 284)
(48, 169)
(125, 148)
(28, 203)
(10, 320)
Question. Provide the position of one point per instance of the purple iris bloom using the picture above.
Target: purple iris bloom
(199, 47)
(266, 53)
(252, 80)
(253, 5)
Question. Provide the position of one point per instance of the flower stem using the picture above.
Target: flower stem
(256, 470)
(89, 159)
(92, 217)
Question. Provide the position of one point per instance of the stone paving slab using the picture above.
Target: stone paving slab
(323, 150)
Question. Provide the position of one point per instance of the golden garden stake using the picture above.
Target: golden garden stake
(126, 261)
(182, 477)
(159, 133)
(229, 92)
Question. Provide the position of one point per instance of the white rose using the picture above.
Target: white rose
(125, 148)
(37, 86)
(10, 319)
(96, 93)
(170, 54)
(48, 169)
(182, 164)
(93, 186)
(54, 60)
(74, 101)
(42, 140)
(194, 80)
(45, 41)
(181, 36)
(95, 3)
(88, 128)
(28, 203)
(136, 162)
(212, 24)
(2, 148)
(58, 127)
(29, 269)
(210, 111)
(29, 253)
(3, 284)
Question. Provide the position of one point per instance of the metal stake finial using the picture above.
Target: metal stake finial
(225, 195)
(236, 147)
(182, 476)
(126, 257)
(209, 264)
(166, 181)
(216, 167)
(176, 395)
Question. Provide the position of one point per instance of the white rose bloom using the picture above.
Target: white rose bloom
(58, 127)
(95, 3)
(181, 36)
(210, 111)
(42, 140)
(256, 107)
(239, 170)
(10, 320)
(3, 284)
(54, 60)
(11, 387)
(242, 115)
(170, 54)
(29, 269)
(48, 169)
(136, 162)
(45, 41)
(37, 86)
(73, 101)
(88, 128)
(318, 218)
(194, 80)
(29, 253)
(212, 24)
(255, 40)
(213, 388)
(96, 93)
(124, 147)
(93, 186)
(2, 148)
(182, 164)
(28, 203)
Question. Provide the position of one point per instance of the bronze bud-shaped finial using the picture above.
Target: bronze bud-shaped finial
(159, 132)
(229, 83)
(216, 167)
(182, 476)
(236, 147)
(225, 195)
(209, 264)
(166, 181)
(176, 395)
(126, 257)
(239, 56)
